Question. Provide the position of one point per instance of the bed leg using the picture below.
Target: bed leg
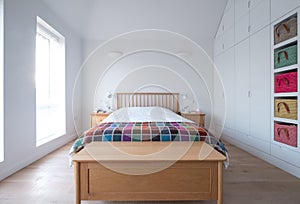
(77, 182)
(220, 182)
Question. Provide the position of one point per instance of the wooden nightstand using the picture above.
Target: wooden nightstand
(198, 118)
(96, 118)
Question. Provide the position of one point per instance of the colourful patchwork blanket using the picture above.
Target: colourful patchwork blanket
(147, 131)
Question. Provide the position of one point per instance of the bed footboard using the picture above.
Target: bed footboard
(181, 181)
(189, 178)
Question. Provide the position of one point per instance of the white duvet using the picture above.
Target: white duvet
(145, 114)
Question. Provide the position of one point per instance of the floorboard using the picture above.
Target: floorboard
(248, 180)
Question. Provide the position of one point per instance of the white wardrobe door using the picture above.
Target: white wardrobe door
(230, 5)
(242, 84)
(218, 115)
(281, 7)
(241, 9)
(241, 28)
(227, 76)
(260, 85)
(228, 38)
(254, 3)
(260, 16)
(228, 19)
(218, 46)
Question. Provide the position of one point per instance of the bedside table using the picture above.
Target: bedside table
(198, 118)
(96, 118)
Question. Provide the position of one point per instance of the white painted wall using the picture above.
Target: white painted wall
(90, 45)
(19, 87)
(195, 20)
(101, 73)
(150, 69)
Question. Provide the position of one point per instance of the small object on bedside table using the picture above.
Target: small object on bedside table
(96, 118)
(197, 117)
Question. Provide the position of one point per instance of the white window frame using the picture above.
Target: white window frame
(45, 109)
(1, 82)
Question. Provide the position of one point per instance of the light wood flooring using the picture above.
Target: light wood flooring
(248, 180)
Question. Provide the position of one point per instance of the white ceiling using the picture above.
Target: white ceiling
(104, 19)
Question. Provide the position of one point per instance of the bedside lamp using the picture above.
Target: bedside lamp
(108, 100)
(186, 106)
(187, 103)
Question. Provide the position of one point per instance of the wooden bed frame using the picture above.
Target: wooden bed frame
(195, 175)
(165, 100)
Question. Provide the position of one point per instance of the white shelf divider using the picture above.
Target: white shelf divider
(285, 120)
(284, 69)
(289, 41)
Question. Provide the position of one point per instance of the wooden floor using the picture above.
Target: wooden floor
(248, 180)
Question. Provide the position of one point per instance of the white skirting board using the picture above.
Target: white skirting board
(266, 157)
(55, 144)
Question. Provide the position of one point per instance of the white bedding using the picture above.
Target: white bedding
(145, 114)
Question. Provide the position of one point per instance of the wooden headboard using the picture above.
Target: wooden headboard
(166, 100)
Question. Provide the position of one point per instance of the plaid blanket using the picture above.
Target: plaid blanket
(147, 131)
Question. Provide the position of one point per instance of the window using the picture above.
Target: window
(49, 83)
(1, 85)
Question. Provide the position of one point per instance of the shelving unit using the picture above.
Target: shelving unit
(285, 120)
(286, 42)
(288, 68)
(286, 147)
(290, 94)
(246, 68)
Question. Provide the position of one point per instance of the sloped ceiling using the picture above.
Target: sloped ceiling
(104, 19)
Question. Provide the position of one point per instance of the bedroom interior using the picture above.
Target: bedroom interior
(222, 62)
